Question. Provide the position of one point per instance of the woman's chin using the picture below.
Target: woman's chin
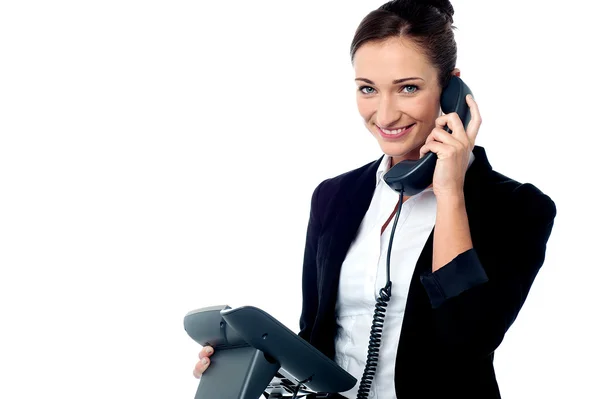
(398, 150)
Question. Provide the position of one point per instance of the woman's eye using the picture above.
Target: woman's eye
(363, 88)
(410, 89)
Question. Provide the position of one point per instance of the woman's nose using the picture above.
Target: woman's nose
(388, 113)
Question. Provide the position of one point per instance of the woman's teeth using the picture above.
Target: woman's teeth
(395, 131)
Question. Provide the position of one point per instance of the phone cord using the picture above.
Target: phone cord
(385, 294)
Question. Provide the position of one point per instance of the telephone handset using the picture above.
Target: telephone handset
(413, 176)
(410, 177)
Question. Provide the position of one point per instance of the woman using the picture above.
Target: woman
(465, 252)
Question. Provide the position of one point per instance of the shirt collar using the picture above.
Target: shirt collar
(384, 166)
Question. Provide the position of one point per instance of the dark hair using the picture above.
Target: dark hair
(428, 23)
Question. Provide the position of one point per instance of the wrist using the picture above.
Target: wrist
(450, 199)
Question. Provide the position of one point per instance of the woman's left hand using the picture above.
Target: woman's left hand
(453, 150)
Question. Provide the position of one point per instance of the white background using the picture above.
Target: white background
(159, 156)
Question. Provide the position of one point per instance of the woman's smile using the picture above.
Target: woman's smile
(395, 133)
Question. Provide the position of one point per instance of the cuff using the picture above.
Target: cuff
(463, 272)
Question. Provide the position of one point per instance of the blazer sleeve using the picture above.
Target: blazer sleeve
(309, 269)
(475, 303)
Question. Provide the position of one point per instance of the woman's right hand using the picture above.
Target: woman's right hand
(204, 361)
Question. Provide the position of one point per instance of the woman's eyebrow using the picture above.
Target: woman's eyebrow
(394, 82)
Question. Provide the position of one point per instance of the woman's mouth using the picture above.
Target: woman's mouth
(395, 133)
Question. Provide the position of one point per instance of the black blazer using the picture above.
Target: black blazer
(456, 317)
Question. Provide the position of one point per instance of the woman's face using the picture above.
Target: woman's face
(398, 95)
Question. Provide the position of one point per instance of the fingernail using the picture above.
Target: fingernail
(204, 360)
(209, 351)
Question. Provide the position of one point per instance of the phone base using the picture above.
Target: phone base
(247, 374)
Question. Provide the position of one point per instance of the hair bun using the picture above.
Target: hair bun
(410, 7)
(443, 5)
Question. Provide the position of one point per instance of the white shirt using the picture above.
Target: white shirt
(363, 274)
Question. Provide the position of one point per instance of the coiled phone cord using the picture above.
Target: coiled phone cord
(385, 294)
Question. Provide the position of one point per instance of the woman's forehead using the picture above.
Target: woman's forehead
(391, 59)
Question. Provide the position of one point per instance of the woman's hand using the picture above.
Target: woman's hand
(204, 361)
(453, 150)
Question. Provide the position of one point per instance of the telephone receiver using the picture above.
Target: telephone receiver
(413, 176)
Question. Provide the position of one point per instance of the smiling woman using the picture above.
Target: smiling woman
(400, 102)
(157, 157)
(467, 248)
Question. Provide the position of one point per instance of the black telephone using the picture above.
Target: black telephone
(414, 176)
(410, 177)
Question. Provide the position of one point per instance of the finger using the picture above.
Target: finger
(429, 138)
(429, 148)
(443, 136)
(206, 351)
(441, 149)
(201, 367)
(475, 122)
(436, 134)
(452, 120)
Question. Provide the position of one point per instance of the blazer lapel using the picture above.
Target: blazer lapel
(350, 205)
